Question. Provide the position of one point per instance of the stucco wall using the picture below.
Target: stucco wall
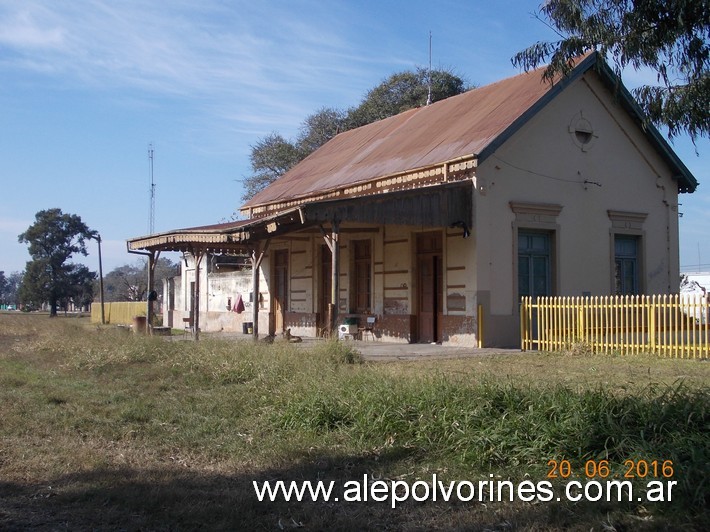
(544, 163)
(218, 291)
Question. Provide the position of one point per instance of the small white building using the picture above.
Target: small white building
(227, 300)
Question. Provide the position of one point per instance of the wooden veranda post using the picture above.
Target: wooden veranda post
(331, 240)
(152, 260)
(198, 254)
(335, 276)
(257, 256)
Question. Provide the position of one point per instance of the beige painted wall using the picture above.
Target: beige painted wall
(542, 163)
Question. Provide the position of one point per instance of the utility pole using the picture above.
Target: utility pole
(96, 236)
(428, 98)
(151, 228)
(101, 281)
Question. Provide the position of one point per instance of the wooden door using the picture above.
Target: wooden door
(280, 297)
(429, 286)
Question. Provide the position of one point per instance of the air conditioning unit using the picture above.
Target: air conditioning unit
(346, 331)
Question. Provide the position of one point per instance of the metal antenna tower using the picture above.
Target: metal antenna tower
(428, 98)
(151, 229)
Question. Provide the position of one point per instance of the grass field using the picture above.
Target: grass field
(103, 430)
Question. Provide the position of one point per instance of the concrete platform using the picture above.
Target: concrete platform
(386, 351)
(390, 351)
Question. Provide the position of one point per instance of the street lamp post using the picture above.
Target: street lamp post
(97, 236)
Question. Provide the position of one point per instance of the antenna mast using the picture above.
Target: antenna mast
(151, 229)
(428, 98)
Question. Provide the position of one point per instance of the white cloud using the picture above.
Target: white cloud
(172, 48)
(29, 29)
(243, 63)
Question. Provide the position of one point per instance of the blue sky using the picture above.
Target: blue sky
(86, 86)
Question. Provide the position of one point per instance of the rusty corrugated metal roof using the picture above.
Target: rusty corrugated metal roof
(468, 125)
(459, 126)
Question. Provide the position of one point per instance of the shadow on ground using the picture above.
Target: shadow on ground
(174, 498)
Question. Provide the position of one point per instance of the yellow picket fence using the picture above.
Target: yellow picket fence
(121, 312)
(668, 325)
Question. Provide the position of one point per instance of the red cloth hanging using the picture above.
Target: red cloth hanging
(238, 305)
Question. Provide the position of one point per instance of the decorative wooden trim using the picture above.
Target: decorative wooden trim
(398, 241)
(540, 209)
(458, 169)
(626, 219)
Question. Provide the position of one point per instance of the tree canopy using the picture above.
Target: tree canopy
(130, 281)
(403, 91)
(668, 36)
(9, 285)
(53, 239)
(3, 287)
(273, 155)
(270, 158)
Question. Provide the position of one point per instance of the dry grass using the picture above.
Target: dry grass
(621, 373)
(103, 430)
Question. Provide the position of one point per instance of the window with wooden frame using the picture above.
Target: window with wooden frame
(535, 263)
(361, 281)
(626, 265)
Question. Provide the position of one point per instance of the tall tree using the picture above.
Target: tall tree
(53, 239)
(273, 155)
(403, 91)
(81, 281)
(671, 37)
(319, 128)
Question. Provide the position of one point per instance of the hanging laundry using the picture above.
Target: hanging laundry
(238, 305)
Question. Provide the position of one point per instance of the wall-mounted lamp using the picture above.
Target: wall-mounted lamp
(462, 225)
